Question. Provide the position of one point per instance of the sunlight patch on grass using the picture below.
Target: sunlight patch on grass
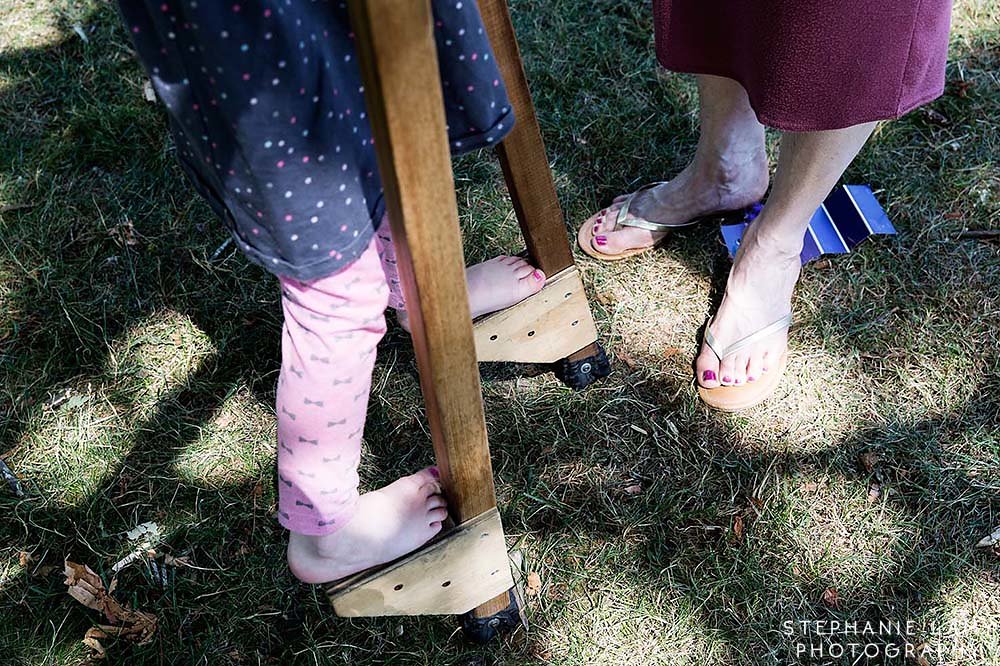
(620, 623)
(970, 16)
(156, 357)
(73, 443)
(654, 312)
(964, 621)
(236, 446)
(831, 532)
(27, 24)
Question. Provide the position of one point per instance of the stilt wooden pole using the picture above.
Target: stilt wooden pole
(403, 95)
(525, 165)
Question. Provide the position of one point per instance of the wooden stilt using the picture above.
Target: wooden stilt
(522, 152)
(525, 165)
(403, 95)
(466, 567)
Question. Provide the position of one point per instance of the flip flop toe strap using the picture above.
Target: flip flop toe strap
(724, 351)
(621, 221)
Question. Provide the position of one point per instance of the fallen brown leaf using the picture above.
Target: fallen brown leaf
(830, 597)
(606, 298)
(87, 587)
(533, 585)
(627, 359)
(961, 88)
(92, 639)
(738, 527)
(24, 558)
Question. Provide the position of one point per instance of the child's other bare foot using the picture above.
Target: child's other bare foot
(496, 284)
(390, 522)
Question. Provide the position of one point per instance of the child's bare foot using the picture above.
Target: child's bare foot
(500, 283)
(390, 522)
(496, 284)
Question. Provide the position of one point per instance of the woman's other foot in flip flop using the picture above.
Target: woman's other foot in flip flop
(707, 185)
(758, 292)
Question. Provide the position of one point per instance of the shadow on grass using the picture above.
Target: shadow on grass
(72, 289)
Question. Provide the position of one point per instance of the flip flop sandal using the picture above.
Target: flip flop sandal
(585, 235)
(743, 396)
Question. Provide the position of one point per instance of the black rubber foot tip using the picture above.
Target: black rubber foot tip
(482, 630)
(580, 374)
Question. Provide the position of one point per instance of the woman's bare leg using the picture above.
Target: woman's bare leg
(763, 276)
(729, 169)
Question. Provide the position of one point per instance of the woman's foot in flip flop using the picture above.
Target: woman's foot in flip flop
(495, 285)
(758, 292)
(390, 522)
(706, 186)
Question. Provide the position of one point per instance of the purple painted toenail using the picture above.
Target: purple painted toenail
(764, 369)
(538, 275)
(727, 378)
(737, 381)
(435, 473)
(750, 379)
(708, 376)
(601, 240)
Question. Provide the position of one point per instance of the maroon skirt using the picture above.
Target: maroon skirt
(810, 65)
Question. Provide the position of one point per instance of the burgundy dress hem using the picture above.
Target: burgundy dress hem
(809, 65)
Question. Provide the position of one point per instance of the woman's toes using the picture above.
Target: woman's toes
(437, 515)
(740, 368)
(707, 367)
(435, 501)
(622, 240)
(755, 366)
(727, 371)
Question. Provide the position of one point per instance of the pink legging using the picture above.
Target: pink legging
(332, 326)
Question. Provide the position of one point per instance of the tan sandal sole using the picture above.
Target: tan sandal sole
(744, 396)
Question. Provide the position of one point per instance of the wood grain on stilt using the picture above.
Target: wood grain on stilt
(449, 577)
(398, 60)
(543, 328)
(522, 152)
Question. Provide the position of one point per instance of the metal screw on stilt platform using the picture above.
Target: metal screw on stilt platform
(586, 368)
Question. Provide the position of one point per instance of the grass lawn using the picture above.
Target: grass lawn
(138, 365)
